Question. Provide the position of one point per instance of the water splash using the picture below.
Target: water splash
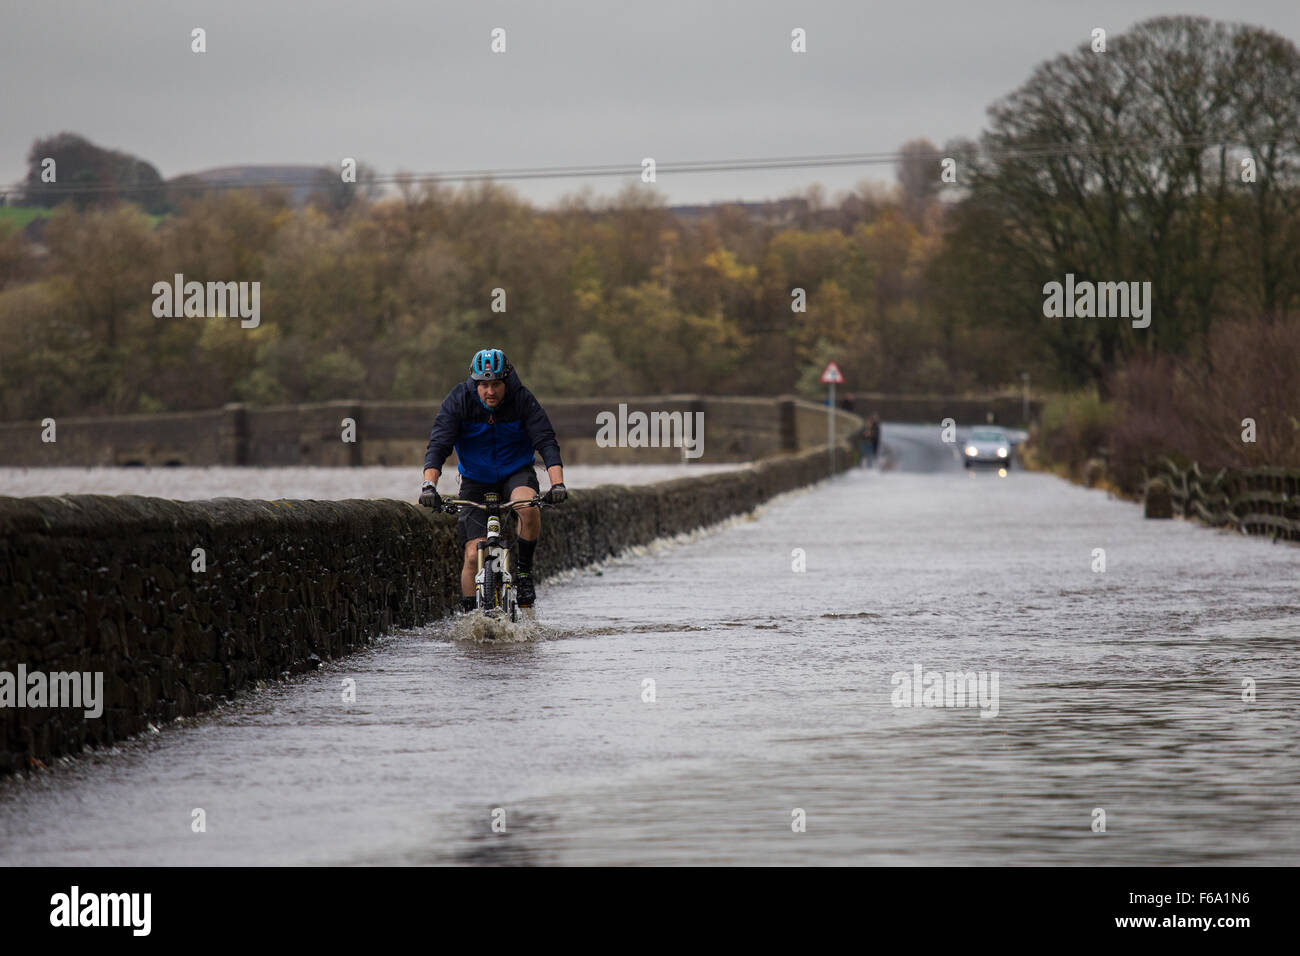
(481, 629)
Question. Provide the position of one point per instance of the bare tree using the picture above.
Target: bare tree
(1115, 167)
(918, 170)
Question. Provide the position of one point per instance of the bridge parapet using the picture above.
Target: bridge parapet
(735, 429)
(177, 605)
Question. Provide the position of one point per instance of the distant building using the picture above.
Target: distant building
(300, 181)
(776, 212)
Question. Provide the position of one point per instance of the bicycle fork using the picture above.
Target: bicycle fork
(493, 580)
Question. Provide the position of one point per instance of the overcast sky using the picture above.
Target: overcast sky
(413, 84)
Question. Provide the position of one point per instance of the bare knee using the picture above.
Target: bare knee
(530, 519)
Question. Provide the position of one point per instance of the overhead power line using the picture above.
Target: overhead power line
(632, 170)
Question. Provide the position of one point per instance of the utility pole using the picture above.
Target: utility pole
(830, 376)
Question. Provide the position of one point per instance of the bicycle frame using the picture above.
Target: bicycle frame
(494, 583)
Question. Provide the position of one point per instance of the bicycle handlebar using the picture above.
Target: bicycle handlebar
(449, 505)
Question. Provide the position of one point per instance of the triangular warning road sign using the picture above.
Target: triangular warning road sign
(832, 374)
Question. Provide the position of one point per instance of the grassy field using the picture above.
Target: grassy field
(20, 216)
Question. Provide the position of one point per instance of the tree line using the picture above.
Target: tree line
(1170, 158)
(389, 299)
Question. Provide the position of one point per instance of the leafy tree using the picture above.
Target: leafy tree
(89, 175)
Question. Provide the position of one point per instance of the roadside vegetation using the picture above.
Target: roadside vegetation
(1172, 158)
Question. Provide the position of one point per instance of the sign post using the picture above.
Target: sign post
(831, 376)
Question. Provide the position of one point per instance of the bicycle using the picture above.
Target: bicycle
(494, 584)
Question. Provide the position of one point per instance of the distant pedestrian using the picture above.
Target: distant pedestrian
(869, 442)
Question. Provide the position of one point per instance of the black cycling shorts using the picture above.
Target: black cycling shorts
(472, 522)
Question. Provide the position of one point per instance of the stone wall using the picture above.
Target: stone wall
(180, 438)
(396, 433)
(91, 583)
(305, 434)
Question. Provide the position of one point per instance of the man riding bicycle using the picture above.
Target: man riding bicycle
(495, 425)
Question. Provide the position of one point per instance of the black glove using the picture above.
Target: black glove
(557, 494)
(429, 496)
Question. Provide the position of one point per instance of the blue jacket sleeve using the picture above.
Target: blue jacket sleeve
(539, 429)
(446, 428)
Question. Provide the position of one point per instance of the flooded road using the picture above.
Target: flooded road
(774, 692)
(300, 483)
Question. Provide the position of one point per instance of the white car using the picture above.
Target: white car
(987, 446)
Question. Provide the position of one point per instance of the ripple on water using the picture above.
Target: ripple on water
(772, 691)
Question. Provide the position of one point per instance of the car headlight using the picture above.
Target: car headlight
(972, 450)
(1002, 453)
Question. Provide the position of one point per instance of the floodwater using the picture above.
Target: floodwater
(773, 732)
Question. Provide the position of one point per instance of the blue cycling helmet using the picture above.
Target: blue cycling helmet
(489, 365)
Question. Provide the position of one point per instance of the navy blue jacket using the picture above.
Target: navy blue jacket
(491, 445)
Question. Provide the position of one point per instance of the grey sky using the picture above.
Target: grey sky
(402, 84)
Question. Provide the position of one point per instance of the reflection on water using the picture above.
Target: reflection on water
(1119, 690)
